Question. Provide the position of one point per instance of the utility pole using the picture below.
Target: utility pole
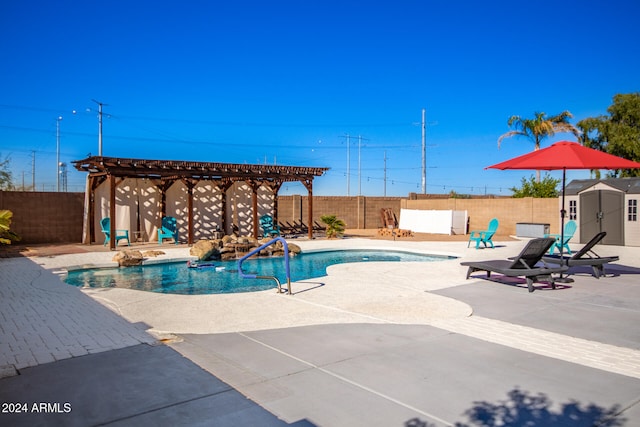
(348, 164)
(359, 166)
(360, 139)
(33, 171)
(385, 173)
(100, 104)
(424, 151)
(58, 120)
(63, 173)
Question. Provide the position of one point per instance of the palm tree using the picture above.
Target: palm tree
(539, 128)
(6, 236)
(335, 226)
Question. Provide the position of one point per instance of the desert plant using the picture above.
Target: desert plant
(335, 226)
(6, 235)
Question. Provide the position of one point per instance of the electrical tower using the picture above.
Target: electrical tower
(63, 176)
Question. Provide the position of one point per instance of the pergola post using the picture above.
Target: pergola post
(163, 186)
(308, 183)
(112, 212)
(223, 187)
(190, 186)
(89, 212)
(275, 188)
(255, 186)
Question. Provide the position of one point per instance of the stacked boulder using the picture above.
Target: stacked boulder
(132, 257)
(234, 247)
(227, 248)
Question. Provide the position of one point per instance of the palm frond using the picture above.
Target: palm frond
(561, 118)
(539, 127)
(5, 219)
(509, 135)
(569, 128)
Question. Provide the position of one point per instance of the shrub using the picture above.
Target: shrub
(335, 226)
(6, 235)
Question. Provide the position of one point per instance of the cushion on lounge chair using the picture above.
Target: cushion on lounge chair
(585, 256)
(523, 265)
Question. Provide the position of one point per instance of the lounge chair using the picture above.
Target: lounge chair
(168, 230)
(105, 224)
(522, 265)
(585, 256)
(484, 236)
(269, 227)
(569, 230)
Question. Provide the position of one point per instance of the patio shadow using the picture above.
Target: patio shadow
(522, 408)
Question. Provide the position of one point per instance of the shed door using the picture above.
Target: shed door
(602, 210)
(588, 214)
(612, 208)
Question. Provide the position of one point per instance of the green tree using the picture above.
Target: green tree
(335, 226)
(6, 179)
(617, 133)
(547, 187)
(539, 128)
(455, 195)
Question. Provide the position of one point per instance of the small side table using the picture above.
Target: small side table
(140, 236)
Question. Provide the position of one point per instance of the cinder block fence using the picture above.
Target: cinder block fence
(51, 217)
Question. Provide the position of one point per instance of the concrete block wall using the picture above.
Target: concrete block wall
(50, 217)
(45, 217)
(356, 211)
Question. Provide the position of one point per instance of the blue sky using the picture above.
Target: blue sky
(287, 81)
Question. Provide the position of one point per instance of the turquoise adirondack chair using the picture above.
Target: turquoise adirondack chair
(105, 224)
(484, 236)
(168, 230)
(569, 231)
(269, 228)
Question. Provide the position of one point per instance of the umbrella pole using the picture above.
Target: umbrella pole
(563, 212)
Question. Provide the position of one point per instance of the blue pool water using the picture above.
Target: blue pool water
(177, 278)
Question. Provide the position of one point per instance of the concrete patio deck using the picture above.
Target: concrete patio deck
(369, 344)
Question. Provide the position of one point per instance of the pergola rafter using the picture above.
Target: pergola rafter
(165, 172)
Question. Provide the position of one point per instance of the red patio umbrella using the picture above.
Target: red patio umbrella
(562, 156)
(566, 155)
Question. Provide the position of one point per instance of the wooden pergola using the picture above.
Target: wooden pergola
(164, 173)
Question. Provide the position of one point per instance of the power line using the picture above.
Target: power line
(212, 143)
(224, 122)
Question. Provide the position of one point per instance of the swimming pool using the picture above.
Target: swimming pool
(178, 278)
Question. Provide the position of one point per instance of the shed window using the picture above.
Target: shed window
(573, 209)
(632, 210)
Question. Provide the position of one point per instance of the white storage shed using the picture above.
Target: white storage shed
(609, 205)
